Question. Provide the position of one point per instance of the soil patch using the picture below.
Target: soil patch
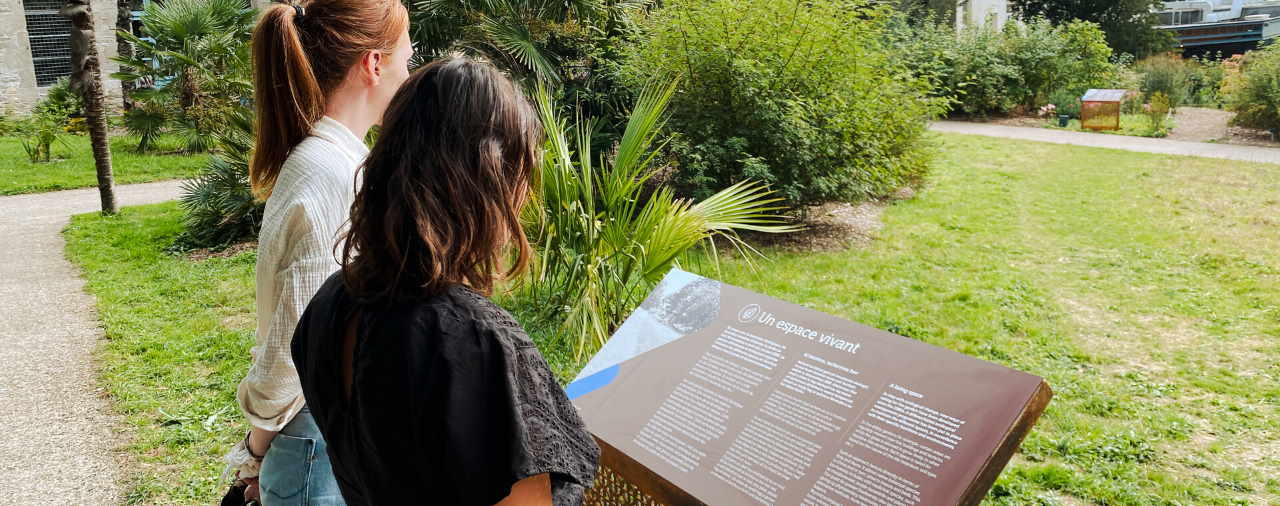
(1019, 121)
(833, 226)
(227, 252)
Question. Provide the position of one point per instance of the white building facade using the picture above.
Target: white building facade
(35, 50)
(979, 12)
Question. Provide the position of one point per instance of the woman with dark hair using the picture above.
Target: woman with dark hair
(425, 390)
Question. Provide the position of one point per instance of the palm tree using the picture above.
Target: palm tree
(531, 39)
(220, 209)
(196, 55)
(605, 236)
(124, 23)
(86, 77)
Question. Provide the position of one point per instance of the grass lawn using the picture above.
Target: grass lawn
(72, 166)
(1145, 288)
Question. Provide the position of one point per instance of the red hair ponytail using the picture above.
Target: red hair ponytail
(301, 54)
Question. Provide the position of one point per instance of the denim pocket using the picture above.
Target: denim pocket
(286, 470)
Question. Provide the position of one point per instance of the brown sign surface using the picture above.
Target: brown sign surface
(732, 397)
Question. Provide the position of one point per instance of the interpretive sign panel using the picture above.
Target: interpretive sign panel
(713, 394)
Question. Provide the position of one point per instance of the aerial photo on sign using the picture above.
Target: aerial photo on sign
(731, 397)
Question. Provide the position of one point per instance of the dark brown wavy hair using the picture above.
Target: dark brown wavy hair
(444, 185)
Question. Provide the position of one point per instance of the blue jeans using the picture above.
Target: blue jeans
(296, 470)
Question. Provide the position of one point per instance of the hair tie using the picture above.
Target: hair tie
(299, 11)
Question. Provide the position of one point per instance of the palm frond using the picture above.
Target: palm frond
(515, 40)
(601, 245)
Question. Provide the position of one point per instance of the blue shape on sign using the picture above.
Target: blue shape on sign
(590, 383)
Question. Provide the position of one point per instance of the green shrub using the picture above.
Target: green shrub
(984, 81)
(60, 102)
(16, 126)
(220, 209)
(1066, 102)
(55, 113)
(148, 117)
(46, 127)
(1157, 111)
(197, 64)
(983, 71)
(1037, 50)
(1252, 89)
(1167, 74)
(1088, 59)
(800, 96)
(926, 47)
(604, 236)
(1204, 81)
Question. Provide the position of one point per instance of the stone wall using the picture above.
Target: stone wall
(18, 91)
(17, 76)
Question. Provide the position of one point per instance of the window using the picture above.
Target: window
(50, 36)
(1181, 17)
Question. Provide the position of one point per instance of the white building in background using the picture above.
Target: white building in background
(979, 12)
(35, 50)
(1225, 27)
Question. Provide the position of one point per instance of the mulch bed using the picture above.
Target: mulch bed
(227, 252)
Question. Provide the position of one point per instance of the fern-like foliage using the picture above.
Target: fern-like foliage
(192, 69)
(602, 243)
(219, 204)
(533, 40)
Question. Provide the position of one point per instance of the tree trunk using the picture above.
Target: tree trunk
(86, 77)
(124, 22)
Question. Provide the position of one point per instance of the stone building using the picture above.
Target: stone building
(35, 49)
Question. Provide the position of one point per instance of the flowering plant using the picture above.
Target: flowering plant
(1048, 110)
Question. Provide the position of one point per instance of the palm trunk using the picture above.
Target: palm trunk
(86, 77)
(124, 22)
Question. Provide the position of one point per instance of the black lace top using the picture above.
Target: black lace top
(451, 403)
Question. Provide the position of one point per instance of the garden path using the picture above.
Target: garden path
(58, 438)
(1200, 124)
(1123, 142)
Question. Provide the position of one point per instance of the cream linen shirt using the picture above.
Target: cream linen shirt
(308, 206)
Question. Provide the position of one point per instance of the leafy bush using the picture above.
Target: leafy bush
(985, 71)
(546, 39)
(39, 143)
(16, 126)
(800, 96)
(59, 111)
(573, 44)
(1158, 110)
(148, 117)
(1204, 81)
(604, 237)
(1066, 102)
(194, 71)
(1252, 89)
(219, 204)
(60, 102)
(1088, 59)
(1167, 74)
(984, 80)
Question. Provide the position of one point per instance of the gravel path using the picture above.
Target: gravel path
(58, 439)
(1200, 124)
(1128, 143)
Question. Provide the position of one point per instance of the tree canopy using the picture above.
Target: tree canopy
(1129, 24)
